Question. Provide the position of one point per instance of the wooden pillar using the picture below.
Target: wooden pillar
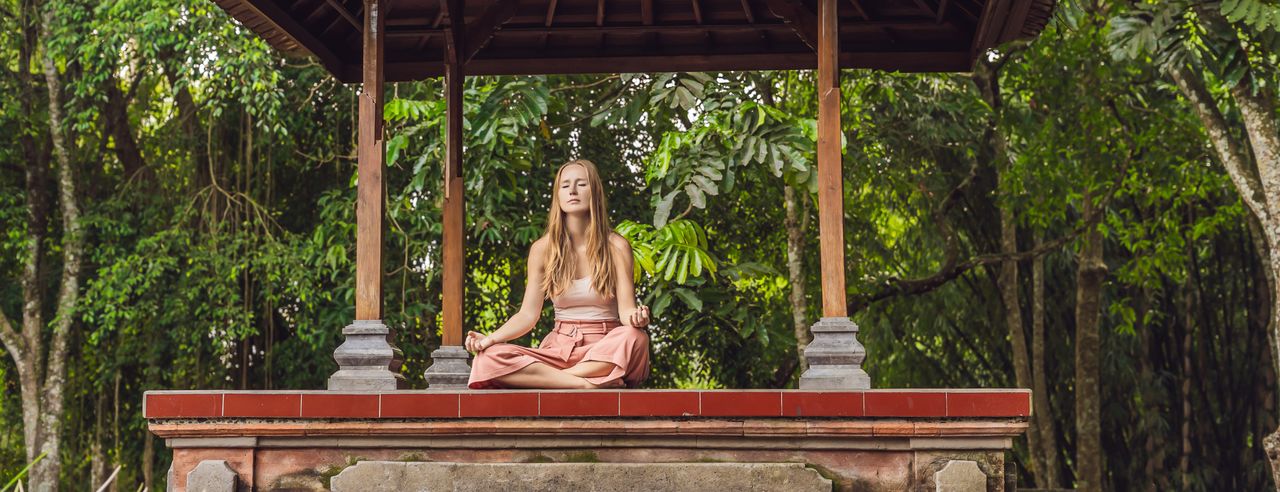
(454, 207)
(449, 369)
(371, 160)
(835, 356)
(830, 178)
(368, 358)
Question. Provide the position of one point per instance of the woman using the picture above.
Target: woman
(586, 270)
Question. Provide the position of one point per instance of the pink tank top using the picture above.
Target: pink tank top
(580, 302)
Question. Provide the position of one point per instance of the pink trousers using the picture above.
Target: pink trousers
(569, 343)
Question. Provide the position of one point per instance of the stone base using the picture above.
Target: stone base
(449, 369)
(368, 359)
(835, 357)
(874, 455)
(390, 476)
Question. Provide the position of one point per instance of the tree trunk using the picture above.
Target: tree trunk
(115, 119)
(1046, 427)
(795, 271)
(44, 475)
(1010, 298)
(1256, 181)
(987, 78)
(1090, 273)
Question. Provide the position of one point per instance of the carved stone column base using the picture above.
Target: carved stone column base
(449, 369)
(368, 359)
(835, 357)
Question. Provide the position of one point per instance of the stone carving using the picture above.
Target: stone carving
(367, 359)
(212, 476)
(960, 476)
(449, 369)
(377, 476)
(835, 357)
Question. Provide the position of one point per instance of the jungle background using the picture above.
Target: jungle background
(177, 211)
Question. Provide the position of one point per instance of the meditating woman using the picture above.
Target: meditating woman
(586, 269)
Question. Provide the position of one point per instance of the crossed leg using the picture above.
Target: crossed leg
(539, 375)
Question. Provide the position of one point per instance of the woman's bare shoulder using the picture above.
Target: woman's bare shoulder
(539, 247)
(619, 241)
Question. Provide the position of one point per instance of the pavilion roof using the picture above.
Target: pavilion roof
(505, 37)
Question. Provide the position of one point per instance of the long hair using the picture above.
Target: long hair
(560, 271)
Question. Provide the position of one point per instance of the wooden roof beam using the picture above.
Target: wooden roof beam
(746, 9)
(478, 33)
(861, 11)
(333, 4)
(599, 13)
(799, 18)
(551, 12)
(925, 7)
(646, 12)
(283, 22)
(942, 11)
(697, 11)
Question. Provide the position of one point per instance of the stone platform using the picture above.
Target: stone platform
(860, 440)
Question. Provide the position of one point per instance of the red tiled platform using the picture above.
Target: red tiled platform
(931, 404)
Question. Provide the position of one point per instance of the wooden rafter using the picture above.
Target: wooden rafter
(479, 33)
(281, 21)
(942, 11)
(746, 10)
(861, 11)
(697, 11)
(342, 11)
(799, 18)
(672, 29)
(551, 12)
(599, 13)
(925, 7)
(646, 12)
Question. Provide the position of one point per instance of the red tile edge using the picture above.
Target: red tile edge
(578, 404)
(182, 405)
(262, 405)
(1014, 404)
(329, 405)
(823, 404)
(905, 404)
(659, 404)
(419, 405)
(741, 404)
(978, 403)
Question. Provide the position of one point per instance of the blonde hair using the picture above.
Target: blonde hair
(560, 271)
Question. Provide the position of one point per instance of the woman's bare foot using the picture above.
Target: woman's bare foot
(615, 383)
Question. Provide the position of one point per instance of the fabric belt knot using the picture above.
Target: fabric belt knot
(575, 330)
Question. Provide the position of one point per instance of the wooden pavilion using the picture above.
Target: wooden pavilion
(375, 41)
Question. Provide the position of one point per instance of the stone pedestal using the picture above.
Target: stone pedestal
(449, 368)
(212, 476)
(835, 357)
(392, 476)
(368, 359)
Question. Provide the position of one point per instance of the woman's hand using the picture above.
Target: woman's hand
(640, 317)
(476, 343)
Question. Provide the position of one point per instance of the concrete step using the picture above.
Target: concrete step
(378, 476)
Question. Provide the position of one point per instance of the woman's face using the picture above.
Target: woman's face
(574, 190)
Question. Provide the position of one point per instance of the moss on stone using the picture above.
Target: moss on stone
(334, 470)
(582, 457)
(412, 457)
(538, 458)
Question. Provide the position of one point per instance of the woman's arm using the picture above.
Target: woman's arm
(624, 267)
(530, 307)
